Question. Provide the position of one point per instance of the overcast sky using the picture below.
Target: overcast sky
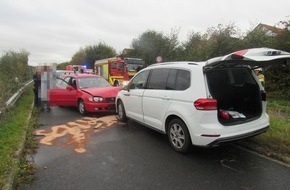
(53, 30)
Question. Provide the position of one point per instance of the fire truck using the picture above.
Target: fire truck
(118, 70)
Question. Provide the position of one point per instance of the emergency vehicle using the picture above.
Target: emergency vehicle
(117, 70)
(76, 68)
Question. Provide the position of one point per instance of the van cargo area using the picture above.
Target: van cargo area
(237, 93)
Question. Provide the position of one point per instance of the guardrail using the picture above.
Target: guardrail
(15, 97)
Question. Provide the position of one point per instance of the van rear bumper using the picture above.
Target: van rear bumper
(226, 140)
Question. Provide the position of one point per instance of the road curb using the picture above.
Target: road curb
(263, 156)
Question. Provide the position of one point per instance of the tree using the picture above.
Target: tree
(257, 38)
(88, 55)
(79, 57)
(282, 41)
(222, 40)
(13, 64)
(194, 47)
(151, 44)
(96, 52)
(62, 66)
(277, 76)
(217, 41)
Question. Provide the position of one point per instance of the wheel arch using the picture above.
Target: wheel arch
(187, 130)
(174, 116)
(170, 118)
(78, 100)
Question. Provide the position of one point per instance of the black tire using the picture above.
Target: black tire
(121, 112)
(81, 107)
(178, 136)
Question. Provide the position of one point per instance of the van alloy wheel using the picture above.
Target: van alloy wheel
(178, 136)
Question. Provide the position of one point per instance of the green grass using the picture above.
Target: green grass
(275, 143)
(26, 168)
(13, 127)
(279, 106)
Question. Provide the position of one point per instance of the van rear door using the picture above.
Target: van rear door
(256, 57)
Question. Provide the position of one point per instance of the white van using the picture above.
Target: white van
(201, 103)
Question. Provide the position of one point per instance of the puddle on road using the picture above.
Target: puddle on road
(75, 132)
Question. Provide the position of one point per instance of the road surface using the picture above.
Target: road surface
(98, 152)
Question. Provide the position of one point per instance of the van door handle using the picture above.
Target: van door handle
(139, 95)
(126, 94)
(165, 98)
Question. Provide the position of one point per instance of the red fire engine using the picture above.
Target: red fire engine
(118, 70)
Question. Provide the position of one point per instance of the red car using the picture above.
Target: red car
(87, 92)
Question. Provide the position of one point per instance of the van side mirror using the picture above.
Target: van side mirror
(126, 88)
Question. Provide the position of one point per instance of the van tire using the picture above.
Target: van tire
(121, 112)
(178, 136)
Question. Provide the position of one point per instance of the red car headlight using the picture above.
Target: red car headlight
(96, 99)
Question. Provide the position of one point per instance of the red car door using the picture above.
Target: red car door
(64, 94)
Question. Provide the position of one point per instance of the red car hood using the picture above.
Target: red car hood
(103, 92)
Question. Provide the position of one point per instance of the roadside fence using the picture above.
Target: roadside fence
(11, 101)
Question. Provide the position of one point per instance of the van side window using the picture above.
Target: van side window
(158, 79)
(182, 80)
(171, 79)
(139, 82)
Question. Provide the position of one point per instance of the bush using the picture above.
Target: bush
(13, 65)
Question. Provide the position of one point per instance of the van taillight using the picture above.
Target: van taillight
(263, 96)
(205, 104)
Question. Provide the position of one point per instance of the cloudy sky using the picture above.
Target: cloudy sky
(53, 30)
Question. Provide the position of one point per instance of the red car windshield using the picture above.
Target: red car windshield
(89, 82)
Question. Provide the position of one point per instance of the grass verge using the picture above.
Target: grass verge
(14, 125)
(26, 167)
(275, 143)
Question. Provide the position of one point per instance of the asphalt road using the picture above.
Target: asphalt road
(98, 152)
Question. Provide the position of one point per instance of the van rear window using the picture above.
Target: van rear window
(232, 76)
(182, 80)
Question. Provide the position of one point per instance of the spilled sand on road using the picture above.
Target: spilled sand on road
(76, 132)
